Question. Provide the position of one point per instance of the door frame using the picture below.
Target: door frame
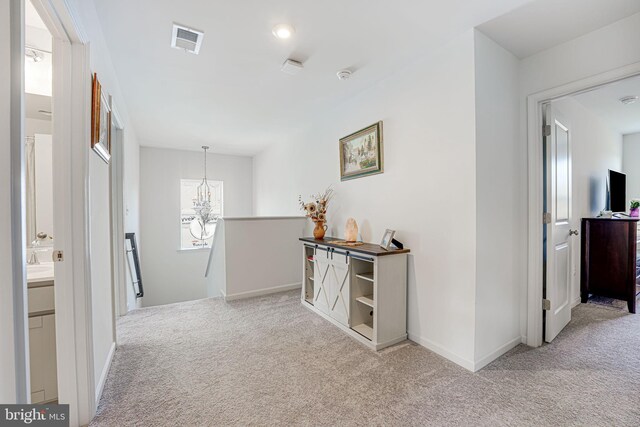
(535, 327)
(13, 305)
(71, 127)
(119, 290)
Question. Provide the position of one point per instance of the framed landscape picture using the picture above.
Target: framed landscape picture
(100, 121)
(361, 153)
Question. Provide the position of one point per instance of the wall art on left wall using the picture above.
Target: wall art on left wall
(100, 121)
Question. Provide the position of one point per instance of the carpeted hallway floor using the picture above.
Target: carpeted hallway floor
(270, 361)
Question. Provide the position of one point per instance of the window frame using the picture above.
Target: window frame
(195, 182)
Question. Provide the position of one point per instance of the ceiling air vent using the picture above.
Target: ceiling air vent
(186, 39)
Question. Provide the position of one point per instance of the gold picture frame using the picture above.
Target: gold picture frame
(100, 121)
(362, 153)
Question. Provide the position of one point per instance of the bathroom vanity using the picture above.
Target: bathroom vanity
(42, 333)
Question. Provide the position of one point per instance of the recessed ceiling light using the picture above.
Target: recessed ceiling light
(283, 31)
(626, 100)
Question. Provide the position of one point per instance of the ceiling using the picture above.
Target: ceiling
(233, 95)
(38, 75)
(542, 24)
(32, 19)
(605, 103)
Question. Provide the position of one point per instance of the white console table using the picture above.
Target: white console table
(360, 289)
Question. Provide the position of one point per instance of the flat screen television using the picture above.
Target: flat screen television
(617, 191)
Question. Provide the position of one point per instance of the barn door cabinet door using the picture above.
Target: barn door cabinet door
(340, 286)
(322, 278)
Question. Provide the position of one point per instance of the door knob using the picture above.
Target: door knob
(573, 232)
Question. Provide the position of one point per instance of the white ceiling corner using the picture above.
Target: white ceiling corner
(542, 24)
(233, 95)
(605, 103)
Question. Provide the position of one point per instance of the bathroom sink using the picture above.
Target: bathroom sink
(40, 272)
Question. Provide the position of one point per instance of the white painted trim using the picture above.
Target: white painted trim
(575, 302)
(484, 361)
(261, 292)
(187, 250)
(105, 372)
(17, 274)
(72, 104)
(119, 278)
(261, 218)
(386, 344)
(535, 203)
(440, 350)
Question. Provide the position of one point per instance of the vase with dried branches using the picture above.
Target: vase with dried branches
(317, 211)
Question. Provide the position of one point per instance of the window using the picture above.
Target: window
(188, 193)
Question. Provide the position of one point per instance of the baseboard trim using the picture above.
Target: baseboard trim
(105, 372)
(438, 349)
(576, 302)
(261, 292)
(496, 353)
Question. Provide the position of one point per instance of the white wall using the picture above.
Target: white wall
(631, 165)
(101, 274)
(43, 185)
(500, 219)
(33, 126)
(235, 275)
(605, 49)
(595, 148)
(427, 192)
(99, 187)
(170, 275)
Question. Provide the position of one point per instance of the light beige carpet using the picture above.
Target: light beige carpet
(270, 361)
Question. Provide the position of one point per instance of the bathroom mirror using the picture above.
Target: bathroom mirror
(39, 169)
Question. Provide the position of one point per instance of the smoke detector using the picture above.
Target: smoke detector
(292, 67)
(626, 100)
(186, 39)
(343, 74)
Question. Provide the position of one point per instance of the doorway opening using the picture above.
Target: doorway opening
(40, 214)
(590, 175)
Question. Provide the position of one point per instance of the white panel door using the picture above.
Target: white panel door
(321, 281)
(339, 295)
(558, 233)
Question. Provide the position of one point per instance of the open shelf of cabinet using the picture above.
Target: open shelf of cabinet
(365, 276)
(308, 287)
(366, 300)
(364, 329)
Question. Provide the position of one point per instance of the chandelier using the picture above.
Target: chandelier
(203, 226)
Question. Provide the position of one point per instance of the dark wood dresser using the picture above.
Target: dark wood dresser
(610, 261)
